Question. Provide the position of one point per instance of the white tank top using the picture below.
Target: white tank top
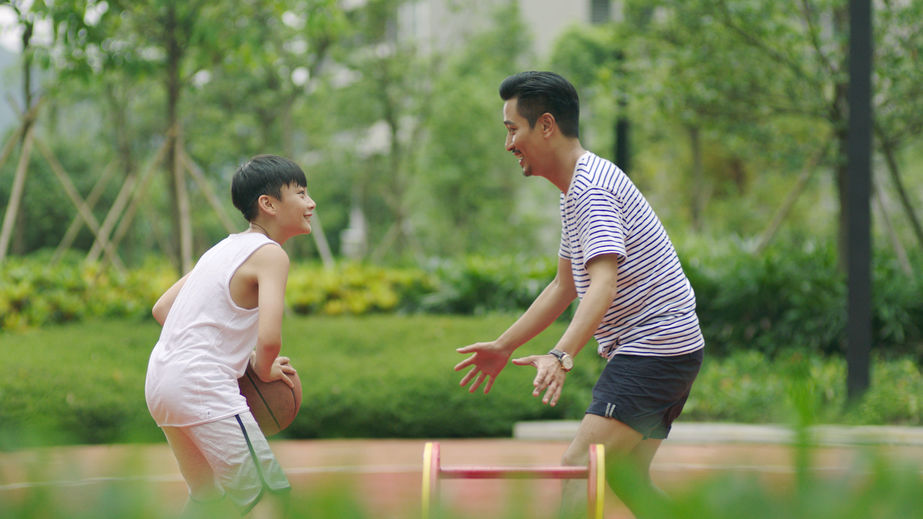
(205, 343)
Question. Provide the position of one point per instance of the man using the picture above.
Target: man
(634, 297)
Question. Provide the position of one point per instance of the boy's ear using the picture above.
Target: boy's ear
(266, 204)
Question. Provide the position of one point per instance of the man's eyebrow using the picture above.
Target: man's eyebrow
(508, 123)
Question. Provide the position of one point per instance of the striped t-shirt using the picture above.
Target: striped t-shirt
(654, 310)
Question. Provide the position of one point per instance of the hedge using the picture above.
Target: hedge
(390, 376)
(788, 297)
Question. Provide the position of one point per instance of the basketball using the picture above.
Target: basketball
(273, 404)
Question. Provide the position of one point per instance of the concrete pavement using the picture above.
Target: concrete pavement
(705, 433)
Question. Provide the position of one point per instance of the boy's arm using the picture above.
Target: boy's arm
(165, 302)
(271, 267)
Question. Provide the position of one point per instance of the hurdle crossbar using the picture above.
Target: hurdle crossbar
(594, 473)
(486, 472)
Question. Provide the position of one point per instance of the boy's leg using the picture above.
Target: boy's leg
(242, 461)
(206, 497)
(193, 465)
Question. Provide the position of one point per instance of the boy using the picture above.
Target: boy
(616, 257)
(227, 311)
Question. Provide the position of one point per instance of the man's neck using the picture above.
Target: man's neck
(564, 161)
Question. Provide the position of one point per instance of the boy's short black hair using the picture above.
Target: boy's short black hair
(263, 175)
(541, 92)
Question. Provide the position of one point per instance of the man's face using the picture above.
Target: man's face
(522, 140)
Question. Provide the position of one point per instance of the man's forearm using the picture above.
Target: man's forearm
(547, 307)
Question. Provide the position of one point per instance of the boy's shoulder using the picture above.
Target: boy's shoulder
(269, 255)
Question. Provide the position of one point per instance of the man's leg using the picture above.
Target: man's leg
(626, 450)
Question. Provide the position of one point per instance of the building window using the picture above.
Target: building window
(600, 11)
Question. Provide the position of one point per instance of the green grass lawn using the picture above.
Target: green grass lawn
(392, 376)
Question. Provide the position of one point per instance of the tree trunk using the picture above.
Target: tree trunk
(839, 112)
(182, 229)
(770, 232)
(19, 182)
(698, 178)
(887, 149)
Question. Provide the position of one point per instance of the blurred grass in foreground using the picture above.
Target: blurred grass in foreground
(881, 492)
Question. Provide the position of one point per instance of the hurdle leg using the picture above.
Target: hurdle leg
(596, 481)
(431, 468)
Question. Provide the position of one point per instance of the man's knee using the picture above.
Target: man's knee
(575, 456)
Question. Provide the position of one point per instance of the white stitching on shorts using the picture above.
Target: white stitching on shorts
(610, 408)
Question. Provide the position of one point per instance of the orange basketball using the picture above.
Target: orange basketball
(273, 404)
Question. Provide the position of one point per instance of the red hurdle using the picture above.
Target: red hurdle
(594, 473)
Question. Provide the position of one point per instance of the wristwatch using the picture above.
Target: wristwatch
(567, 362)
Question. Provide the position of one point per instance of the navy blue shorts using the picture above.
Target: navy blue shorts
(645, 393)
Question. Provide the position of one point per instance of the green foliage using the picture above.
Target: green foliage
(476, 284)
(355, 289)
(34, 292)
(790, 297)
(794, 296)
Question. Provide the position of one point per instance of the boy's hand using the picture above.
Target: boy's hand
(280, 370)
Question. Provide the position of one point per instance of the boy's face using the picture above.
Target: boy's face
(295, 209)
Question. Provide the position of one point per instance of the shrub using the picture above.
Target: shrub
(476, 284)
(355, 289)
(788, 297)
(795, 297)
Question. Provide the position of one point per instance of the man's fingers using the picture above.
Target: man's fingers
(490, 384)
(464, 364)
(524, 361)
(477, 383)
(468, 349)
(468, 376)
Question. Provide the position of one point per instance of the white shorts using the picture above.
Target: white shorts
(241, 459)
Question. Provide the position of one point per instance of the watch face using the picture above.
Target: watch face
(567, 362)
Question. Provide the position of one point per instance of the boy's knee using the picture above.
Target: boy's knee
(206, 494)
(208, 506)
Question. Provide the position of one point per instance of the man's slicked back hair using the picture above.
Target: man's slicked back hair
(263, 175)
(541, 92)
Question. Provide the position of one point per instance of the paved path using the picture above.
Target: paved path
(385, 474)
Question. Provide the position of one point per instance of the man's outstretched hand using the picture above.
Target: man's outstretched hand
(548, 378)
(488, 360)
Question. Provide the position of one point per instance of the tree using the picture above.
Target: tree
(748, 61)
(117, 47)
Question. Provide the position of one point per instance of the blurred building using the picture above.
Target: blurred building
(439, 24)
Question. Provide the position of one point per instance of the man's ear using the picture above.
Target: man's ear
(266, 204)
(546, 123)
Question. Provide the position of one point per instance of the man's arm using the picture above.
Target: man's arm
(593, 306)
(491, 357)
